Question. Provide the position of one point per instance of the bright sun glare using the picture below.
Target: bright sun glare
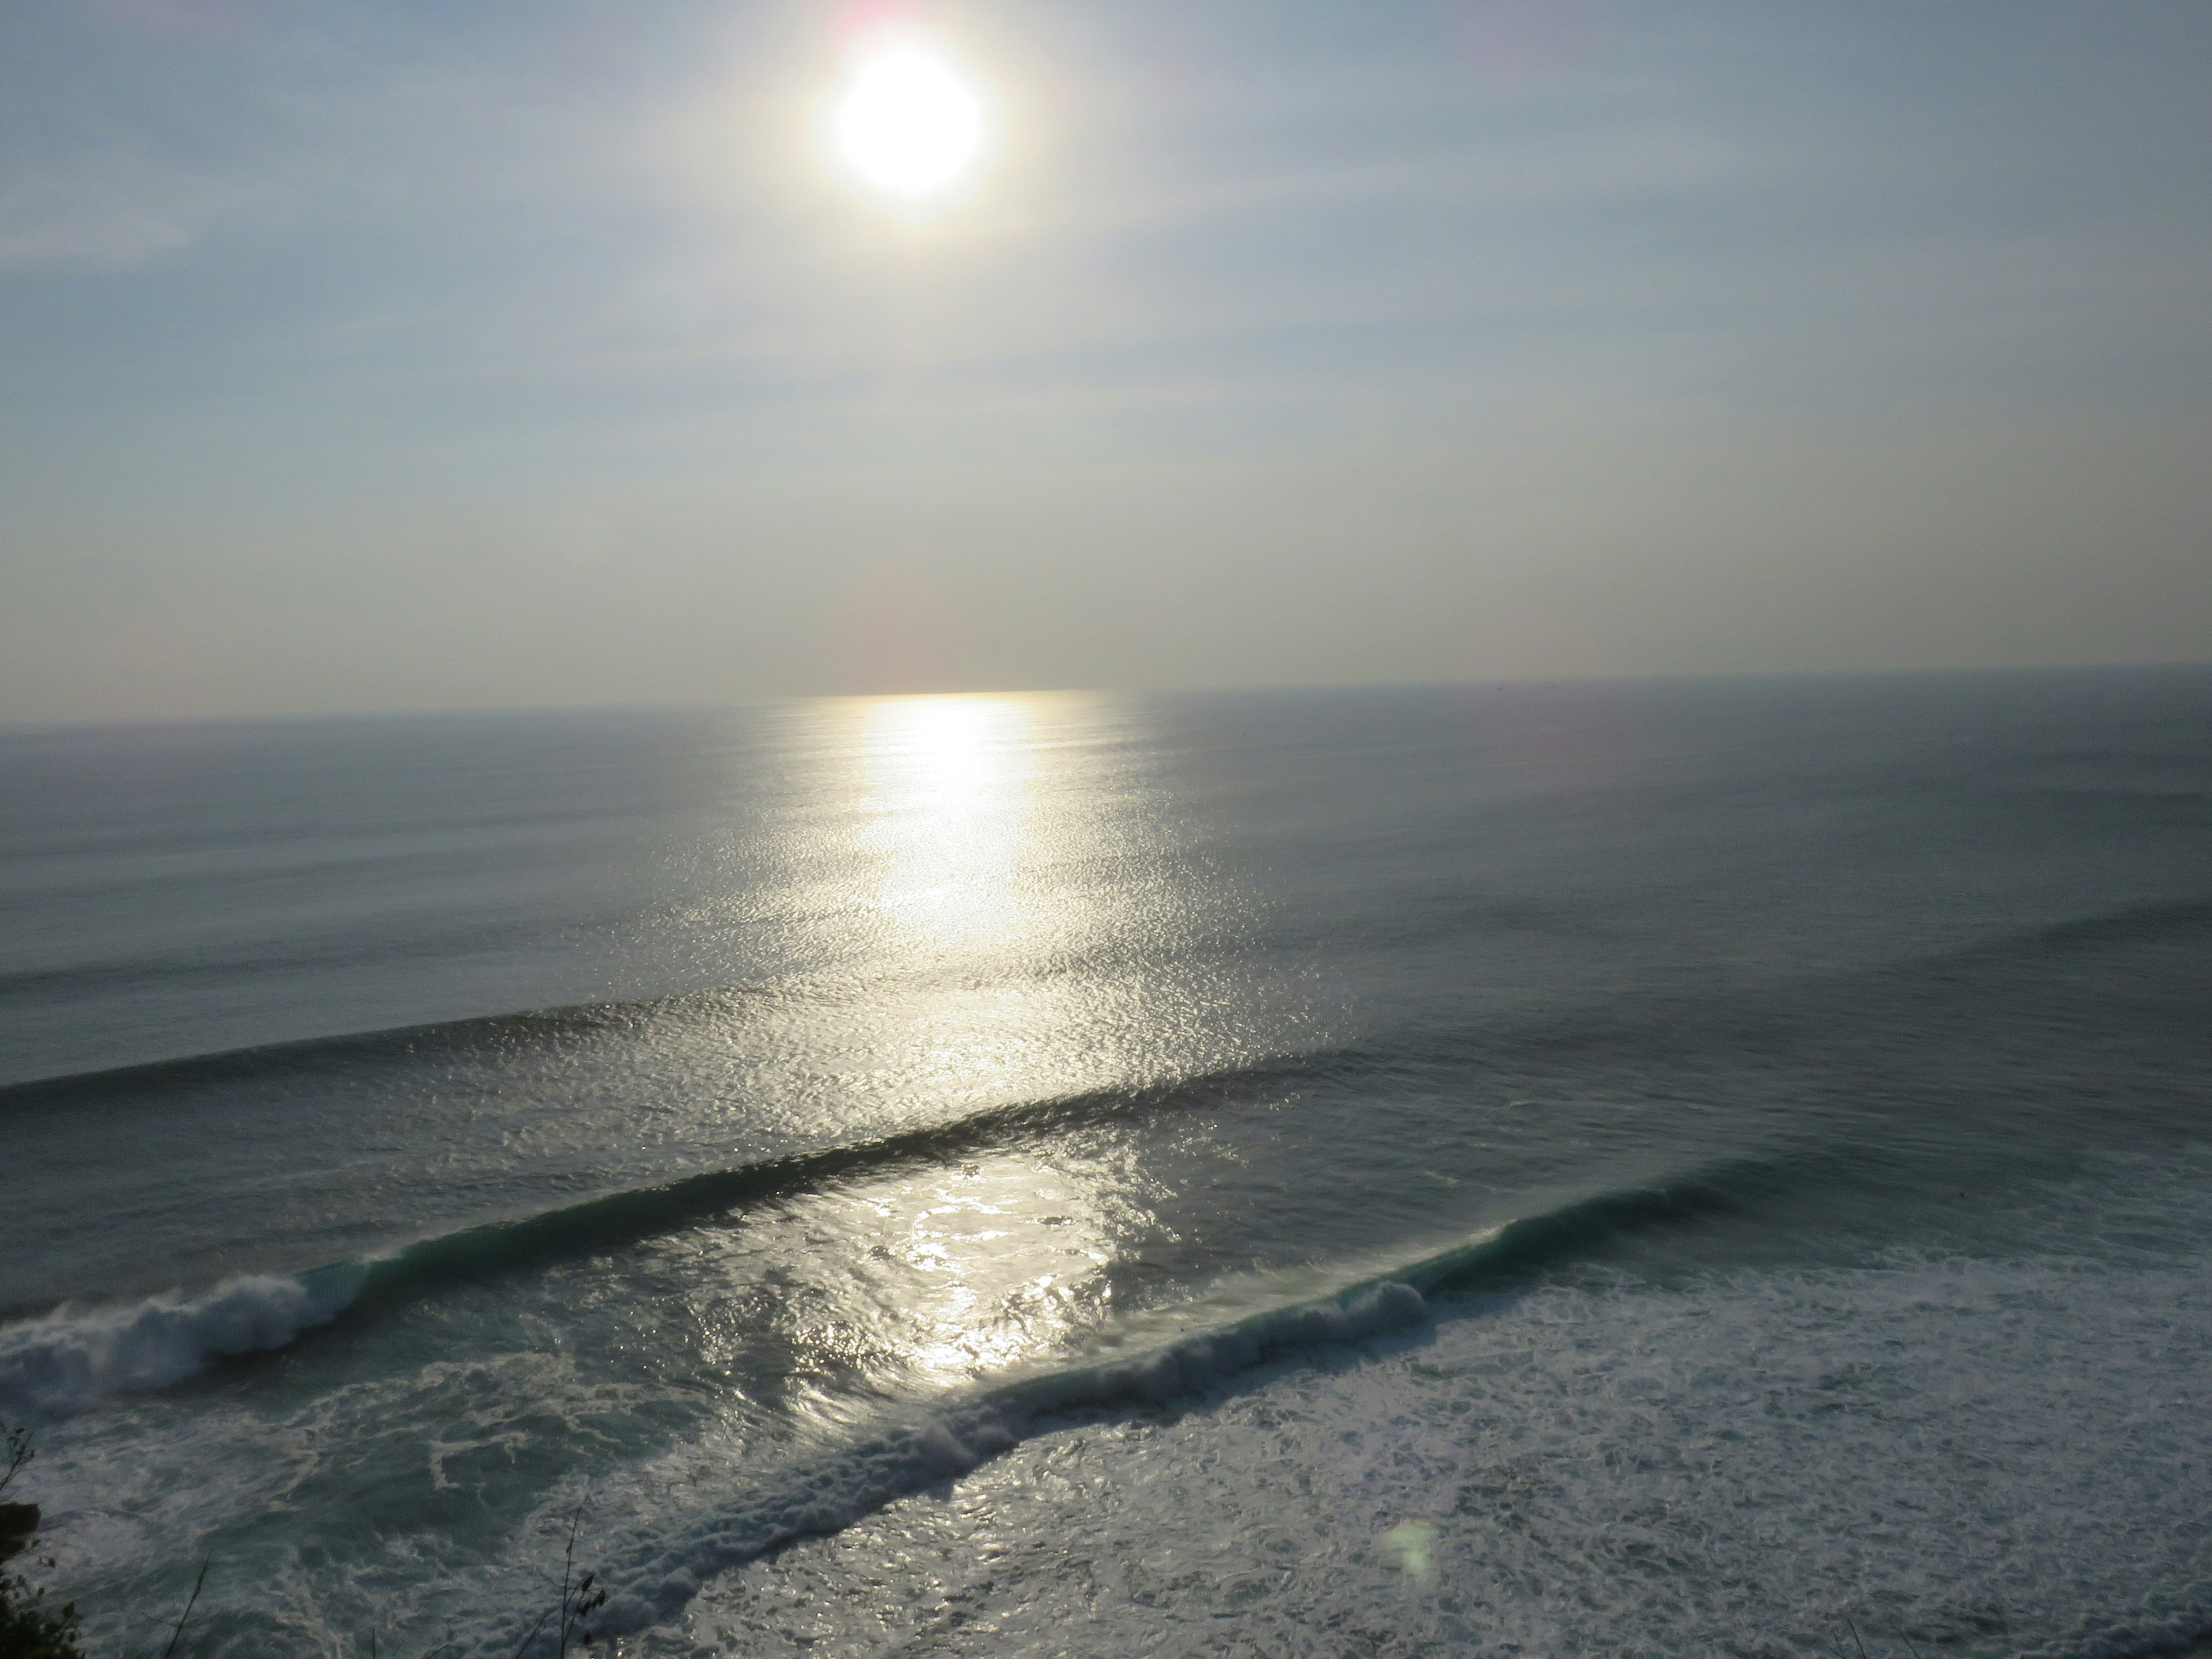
(907, 123)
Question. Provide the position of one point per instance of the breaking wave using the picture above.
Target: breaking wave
(71, 1357)
(1935, 1444)
(66, 1360)
(653, 1581)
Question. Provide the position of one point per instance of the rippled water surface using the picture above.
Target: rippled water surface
(1666, 1167)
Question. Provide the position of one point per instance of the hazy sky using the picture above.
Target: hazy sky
(378, 354)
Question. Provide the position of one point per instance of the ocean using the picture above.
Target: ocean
(1678, 1168)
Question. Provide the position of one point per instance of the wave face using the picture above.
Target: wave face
(1933, 1452)
(71, 1358)
(653, 1583)
(653, 1586)
(1536, 1167)
(344, 1056)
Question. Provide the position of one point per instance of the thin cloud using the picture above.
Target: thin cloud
(109, 209)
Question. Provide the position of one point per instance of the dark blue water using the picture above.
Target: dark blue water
(1669, 1168)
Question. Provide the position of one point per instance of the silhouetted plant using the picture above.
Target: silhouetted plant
(28, 1628)
(1859, 1643)
(580, 1597)
(185, 1617)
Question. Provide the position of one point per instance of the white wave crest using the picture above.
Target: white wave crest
(1964, 1457)
(652, 1581)
(66, 1360)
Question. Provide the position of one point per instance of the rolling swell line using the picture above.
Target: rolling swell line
(1822, 1018)
(65, 1359)
(2137, 924)
(1782, 1009)
(652, 1579)
(626, 1217)
(344, 1054)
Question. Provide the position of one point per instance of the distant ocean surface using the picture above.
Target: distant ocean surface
(1675, 1168)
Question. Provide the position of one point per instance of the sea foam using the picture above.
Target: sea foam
(66, 1360)
(1959, 1456)
(652, 1581)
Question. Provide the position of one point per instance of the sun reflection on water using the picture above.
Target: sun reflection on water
(917, 1278)
(952, 815)
(1006, 871)
(982, 848)
(993, 1261)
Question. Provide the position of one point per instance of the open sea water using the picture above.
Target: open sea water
(1668, 1168)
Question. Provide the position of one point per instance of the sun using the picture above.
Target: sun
(907, 123)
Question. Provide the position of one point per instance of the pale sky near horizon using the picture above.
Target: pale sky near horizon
(364, 355)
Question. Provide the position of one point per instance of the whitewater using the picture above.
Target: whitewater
(1666, 1168)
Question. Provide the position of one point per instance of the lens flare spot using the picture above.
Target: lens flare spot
(1413, 1543)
